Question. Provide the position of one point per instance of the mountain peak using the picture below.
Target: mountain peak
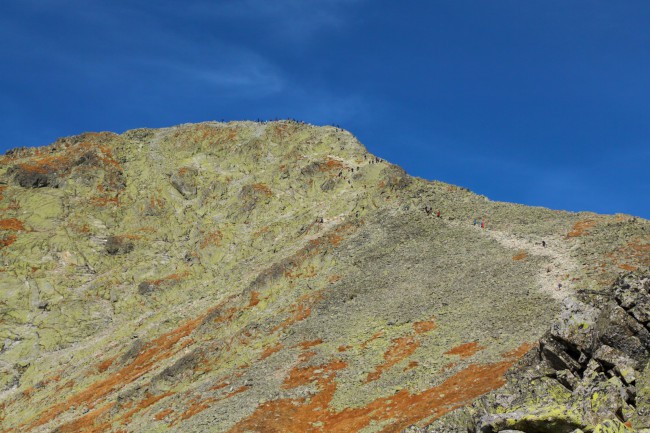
(269, 276)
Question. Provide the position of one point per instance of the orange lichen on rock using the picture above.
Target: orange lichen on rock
(7, 240)
(308, 272)
(638, 250)
(27, 392)
(154, 206)
(105, 365)
(239, 390)
(300, 310)
(402, 409)
(411, 365)
(88, 423)
(152, 353)
(255, 299)
(641, 247)
(219, 386)
(465, 350)
(47, 164)
(214, 136)
(332, 164)
(271, 350)
(424, 326)
(448, 366)
(149, 400)
(212, 238)
(226, 315)
(334, 278)
(106, 156)
(130, 237)
(581, 228)
(67, 385)
(300, 376)
(310, 343)
(11, 224)
(170, 278)
(78, 156)
(196, 406)
(375, 336)
(630, 256)
(263, 189)
(261, 231)
(521, 254)
(333, 238)
(306, 356)
(517, 352)
(104, 201)
(84, 229)
(400, 349)
(283, 130)
(163, 413)
(183, 171)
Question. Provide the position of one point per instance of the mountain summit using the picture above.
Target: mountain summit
(277, 277)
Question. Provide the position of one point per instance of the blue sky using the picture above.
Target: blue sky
(538, 102)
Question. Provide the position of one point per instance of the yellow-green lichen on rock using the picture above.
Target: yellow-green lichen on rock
(274, 276)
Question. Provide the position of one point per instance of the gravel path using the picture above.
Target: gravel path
(555, 276)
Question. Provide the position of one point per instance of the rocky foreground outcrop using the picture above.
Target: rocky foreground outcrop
(277, 277)
(587, 374)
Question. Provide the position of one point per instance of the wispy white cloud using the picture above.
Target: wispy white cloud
(224, 70)
(162, 51)
(122, 43)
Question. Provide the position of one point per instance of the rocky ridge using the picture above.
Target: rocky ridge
(587, 374)
(276, 276)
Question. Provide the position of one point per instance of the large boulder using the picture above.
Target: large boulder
(184, 181)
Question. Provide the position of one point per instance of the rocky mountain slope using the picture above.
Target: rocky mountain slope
(276, 277)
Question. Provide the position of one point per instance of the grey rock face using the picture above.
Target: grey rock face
(588, 375)
(184, 182)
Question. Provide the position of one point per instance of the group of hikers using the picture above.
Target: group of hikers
(350, 169)
(429, 211)
(373, 160)
(277, 119)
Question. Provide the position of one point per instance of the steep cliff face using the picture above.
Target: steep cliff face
(269, 277)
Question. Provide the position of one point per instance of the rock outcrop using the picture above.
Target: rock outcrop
(246, 276)
(588, 372)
